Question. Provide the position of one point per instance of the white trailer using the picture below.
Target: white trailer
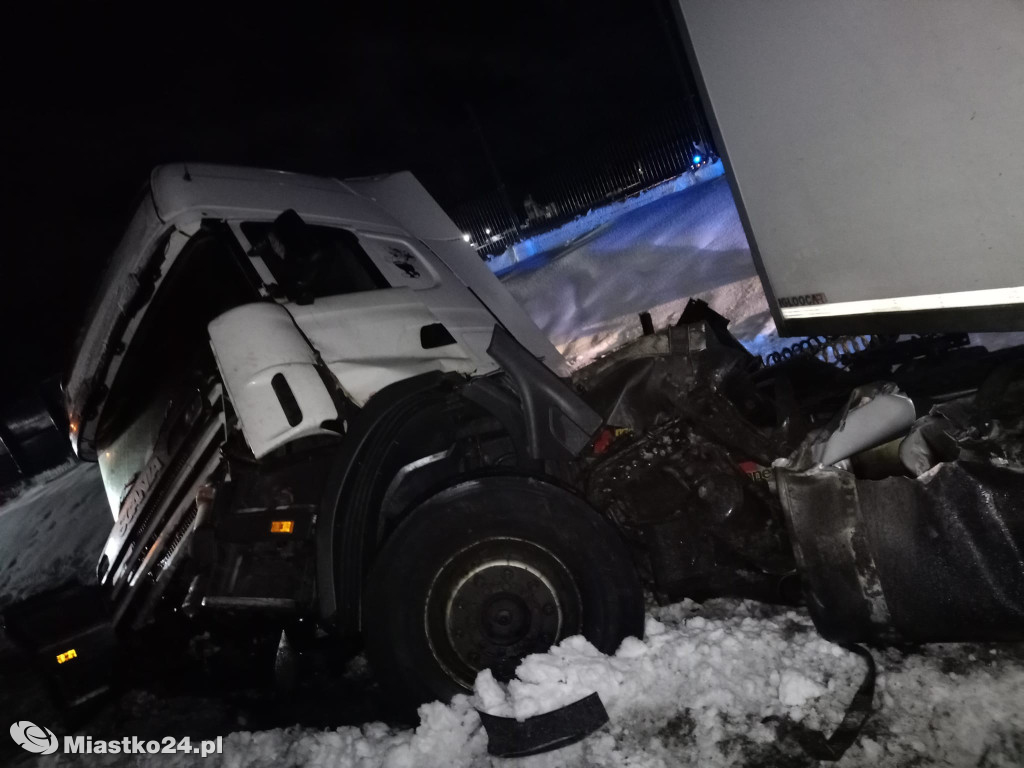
(874, 151)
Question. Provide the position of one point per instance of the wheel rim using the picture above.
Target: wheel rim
(496, 601)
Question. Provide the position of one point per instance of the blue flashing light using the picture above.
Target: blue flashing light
(697, 159)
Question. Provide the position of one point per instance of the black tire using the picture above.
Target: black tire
(490, 570)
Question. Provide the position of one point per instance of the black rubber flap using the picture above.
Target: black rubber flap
(508, 737)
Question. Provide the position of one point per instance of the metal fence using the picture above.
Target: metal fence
(670, 143)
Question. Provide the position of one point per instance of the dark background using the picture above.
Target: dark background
(93, 102)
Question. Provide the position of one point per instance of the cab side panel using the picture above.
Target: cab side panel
(374, 339)
(270, 373)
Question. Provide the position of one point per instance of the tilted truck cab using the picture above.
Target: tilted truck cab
(289, 382)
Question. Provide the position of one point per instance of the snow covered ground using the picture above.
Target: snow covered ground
(53, 531)
(697, 691)
(587, 294)
(556, 239)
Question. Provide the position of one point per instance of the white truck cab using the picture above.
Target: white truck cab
(279, 371)
(401, 251)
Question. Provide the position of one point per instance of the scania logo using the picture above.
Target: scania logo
(140, 488)
(34, 738)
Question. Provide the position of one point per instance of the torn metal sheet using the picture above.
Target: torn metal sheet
(986, 428)
(839, 572)
(873, 415)
(647, 382)
(879, 553)
(935, 559)
(869, 421)
(933, 552)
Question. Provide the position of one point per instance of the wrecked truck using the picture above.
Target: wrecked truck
(318, 416)
(316, 412)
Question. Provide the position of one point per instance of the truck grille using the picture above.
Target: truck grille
(180, 531)
(134, 542)
(148, 552)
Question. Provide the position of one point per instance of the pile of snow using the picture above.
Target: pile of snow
(695, 692)
(689, 244)
(723, 673)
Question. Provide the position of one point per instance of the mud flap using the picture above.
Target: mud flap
(68, 634)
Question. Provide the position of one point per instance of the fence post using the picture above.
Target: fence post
(494, 168)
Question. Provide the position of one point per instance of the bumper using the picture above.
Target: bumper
(69, 637)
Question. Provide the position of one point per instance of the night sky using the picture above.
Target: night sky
(93, 102)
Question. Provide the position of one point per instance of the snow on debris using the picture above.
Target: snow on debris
(697, 691)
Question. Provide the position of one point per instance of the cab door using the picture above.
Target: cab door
(377, 308)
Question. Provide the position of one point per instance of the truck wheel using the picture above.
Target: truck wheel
(484, 573)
